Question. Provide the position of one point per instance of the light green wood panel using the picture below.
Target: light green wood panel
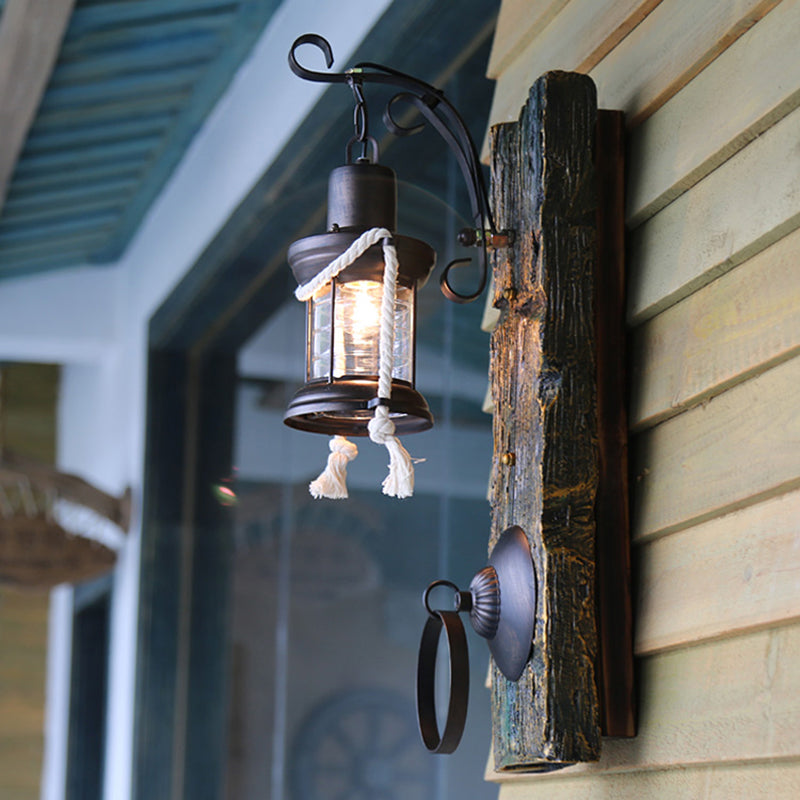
(23, 658)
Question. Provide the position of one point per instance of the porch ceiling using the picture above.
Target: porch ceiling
(132, 82)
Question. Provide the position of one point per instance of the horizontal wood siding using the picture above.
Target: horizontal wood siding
(712, 96)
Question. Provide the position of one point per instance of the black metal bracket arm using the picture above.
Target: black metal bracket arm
(440, 113)
(501, 603)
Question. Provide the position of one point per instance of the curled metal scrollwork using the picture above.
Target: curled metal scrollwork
(437, 111)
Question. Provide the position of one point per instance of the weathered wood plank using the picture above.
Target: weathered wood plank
(738, 572)
(544, 471)
(714, 704)
(639, 53)
(518, 23)
(746, 90)
(576, 39)
(672, 45)
(23, 658)
(740, 447)
(746, 781)
(741, 208)
(30, 36)
(742, 323)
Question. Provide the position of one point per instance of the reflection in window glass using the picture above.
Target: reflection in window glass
(327, 611)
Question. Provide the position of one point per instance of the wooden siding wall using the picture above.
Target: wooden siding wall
(28, 398)
(711, 91)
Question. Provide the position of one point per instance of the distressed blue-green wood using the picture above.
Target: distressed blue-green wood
(60, 228)
(55, 244)
(111, 14)
(118, 89)
(159, 55)
(52, 202)
(132, 85)
(79, 157)
(58, 136)
(135, 34)
(63, 179)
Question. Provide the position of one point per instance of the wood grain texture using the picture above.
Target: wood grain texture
(738, 572)
(741, 208)
(542, 373)
(743, 323)
(672, 45)
(639, 53)
(752, 85)
(576, 39)
(739, 448)
(712, 705)
(30, 37)
(519, 22)
(747, 781)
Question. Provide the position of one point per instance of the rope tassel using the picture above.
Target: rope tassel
(332, 481)
(400, 480)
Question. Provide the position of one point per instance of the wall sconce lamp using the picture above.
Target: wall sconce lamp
(357, 384)
(554, 600)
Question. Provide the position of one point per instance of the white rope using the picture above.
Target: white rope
(400, 480)
(332, 481)
(356, 250)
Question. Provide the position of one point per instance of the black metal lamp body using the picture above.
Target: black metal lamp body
(342, 328)
(343, 316)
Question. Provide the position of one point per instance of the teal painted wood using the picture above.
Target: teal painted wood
(52, 200)
(132, 85)
(59, 137)
(159, 54)
(90, 116)
(56, 257)
(133, 36)
(118, 89)
(79, 174)
(80, 157)
(26, 232)
(79, 205)
(56, 246)
(113, 14)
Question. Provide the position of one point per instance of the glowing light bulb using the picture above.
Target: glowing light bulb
(366, 310)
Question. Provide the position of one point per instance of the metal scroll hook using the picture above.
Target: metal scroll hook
(310, 75)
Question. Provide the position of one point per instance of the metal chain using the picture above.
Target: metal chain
(360, 115)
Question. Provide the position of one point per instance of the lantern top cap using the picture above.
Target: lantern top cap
(362, 195)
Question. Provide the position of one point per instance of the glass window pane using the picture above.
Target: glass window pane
(327, 611)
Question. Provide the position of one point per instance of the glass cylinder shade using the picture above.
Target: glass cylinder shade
(344, 322)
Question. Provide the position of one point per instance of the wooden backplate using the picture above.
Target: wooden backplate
(565, 429)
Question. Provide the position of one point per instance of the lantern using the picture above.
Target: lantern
(343, 319)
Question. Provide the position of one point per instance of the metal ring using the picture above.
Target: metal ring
(427, 592)
(426, 680)
(348, 155)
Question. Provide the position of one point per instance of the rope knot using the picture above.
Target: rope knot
(380, 427)
(332, 482)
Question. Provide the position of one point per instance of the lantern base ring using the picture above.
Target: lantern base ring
(342, 406)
